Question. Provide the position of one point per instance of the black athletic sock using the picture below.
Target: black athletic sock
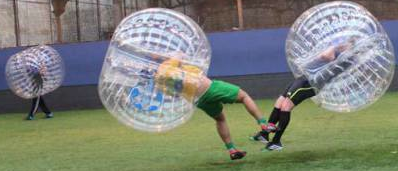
(283, 123)
(43, 106)
(274, 117)
(33, 109)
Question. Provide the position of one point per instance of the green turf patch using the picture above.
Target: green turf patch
(92, 140)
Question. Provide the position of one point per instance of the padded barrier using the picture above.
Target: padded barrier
(234, 54)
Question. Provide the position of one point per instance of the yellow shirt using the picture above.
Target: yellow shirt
(174, 77)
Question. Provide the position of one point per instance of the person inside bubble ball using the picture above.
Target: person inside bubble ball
(175, 76)
(301, 89)
(38, 101)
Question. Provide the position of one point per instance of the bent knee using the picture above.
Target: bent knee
(279, 102)
(287, 105)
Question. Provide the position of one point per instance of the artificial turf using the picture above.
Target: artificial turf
(92, 140)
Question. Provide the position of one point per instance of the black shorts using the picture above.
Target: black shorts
(299, 90)
(326, 75)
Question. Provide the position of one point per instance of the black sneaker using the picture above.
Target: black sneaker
(30, 117)
(49, 115)
(261, 136)
(272, 146)
(235, 155)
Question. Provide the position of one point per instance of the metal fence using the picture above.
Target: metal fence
(31, 22)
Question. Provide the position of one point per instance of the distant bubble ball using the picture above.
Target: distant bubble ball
(344, 52)
(35, 71)
(143, 82)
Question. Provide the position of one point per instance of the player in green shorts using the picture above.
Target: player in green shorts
(210, 95)
(211, 102)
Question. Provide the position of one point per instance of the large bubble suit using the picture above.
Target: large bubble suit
(144, 80)
(35, 71)
(344, 52)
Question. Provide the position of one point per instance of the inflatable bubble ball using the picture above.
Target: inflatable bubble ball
(35, 71)
(344, 52)
(152, 69)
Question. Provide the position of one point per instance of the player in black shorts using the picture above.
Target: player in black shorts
(301, 89)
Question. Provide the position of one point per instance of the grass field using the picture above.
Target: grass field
(93, 140)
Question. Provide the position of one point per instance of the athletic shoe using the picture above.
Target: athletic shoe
(274, 146)
(30, 117)
(236, 154)
(49, 115)
(261, 136)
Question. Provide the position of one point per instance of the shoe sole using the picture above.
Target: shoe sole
(276, 149)
(272, 149)
(265, 142)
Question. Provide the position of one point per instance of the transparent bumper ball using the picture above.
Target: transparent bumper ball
(152, 69)
(344, 52)
(35, 71)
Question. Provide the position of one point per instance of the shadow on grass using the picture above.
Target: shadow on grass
(230, 163)
(341, 158)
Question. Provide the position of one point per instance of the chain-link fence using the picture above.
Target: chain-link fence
(31, 22)
(7, 24)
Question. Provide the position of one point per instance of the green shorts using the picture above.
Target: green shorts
(218, 93)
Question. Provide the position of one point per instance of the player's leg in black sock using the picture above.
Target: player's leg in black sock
(274, 117)
(45, 109)
(33, 109)
(263, 135)
(294, 96)
(275, 114)
(284, 121)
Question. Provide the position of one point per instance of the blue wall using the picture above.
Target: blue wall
(234, 53)
(248, 52)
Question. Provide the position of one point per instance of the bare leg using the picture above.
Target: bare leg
(279, 102)
(251, 107)
(222, 128)
(223, 131)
